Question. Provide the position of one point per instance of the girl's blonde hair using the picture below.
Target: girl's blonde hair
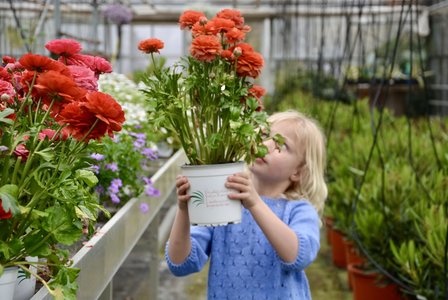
(311, 139)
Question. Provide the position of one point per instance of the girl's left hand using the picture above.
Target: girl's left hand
(247, 194)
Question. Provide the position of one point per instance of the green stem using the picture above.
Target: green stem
(38, 277)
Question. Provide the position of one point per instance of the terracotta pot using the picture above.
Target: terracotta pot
(352, 256)
(328, 227)
(338, 249)
(367, 287)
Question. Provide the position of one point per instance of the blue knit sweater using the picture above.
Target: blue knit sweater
(244, 265)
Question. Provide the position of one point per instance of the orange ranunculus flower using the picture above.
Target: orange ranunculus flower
(232, 14)
(106, 109)
(227, 55)
(218, 25)
(257, 91)
(63, 47)
(249, 64)
(234, 35)
(150, 45)
(205, 47)
(189, 18)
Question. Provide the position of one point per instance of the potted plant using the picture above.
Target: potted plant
(49, 112)
(209, 101)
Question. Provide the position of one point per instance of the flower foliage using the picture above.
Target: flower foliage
(208, 99)
(49, 112)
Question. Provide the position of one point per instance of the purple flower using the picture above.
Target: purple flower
(138, 126)
(151, 191)
(3, 148)
(99, 189)
(115, 185)
(147, 180)
(114, 198)
(144, 207)
(112, 166)
(95, 169)
(97, 156)
(117, 182)
(139, 143)
(149, 153)
(118, 14)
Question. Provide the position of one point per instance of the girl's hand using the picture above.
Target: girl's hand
(182, 186)
(247, 194)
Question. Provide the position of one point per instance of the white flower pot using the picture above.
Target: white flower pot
(25, 287)
(209, 204)
(8, 283)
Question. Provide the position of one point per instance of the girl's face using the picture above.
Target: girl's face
(281, 164)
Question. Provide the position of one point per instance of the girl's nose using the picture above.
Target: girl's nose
(270, 144)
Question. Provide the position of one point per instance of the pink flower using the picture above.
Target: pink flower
(8, 89)
(100, 66)
(22, 152)
(84, 77)
(63, 47)
(97, 64)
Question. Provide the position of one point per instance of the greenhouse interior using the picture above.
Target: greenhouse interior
(288, 149)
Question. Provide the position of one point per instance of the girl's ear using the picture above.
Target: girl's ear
(295, 177)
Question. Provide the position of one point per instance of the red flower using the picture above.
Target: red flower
(4, 74)
(22, 152)
(150, 45)
(40, 63)
(80, 116)
(78, 120)
(63, 47)
(233, 15)
(8, 60)
(205, 47)
(105, 109)
(52, 85)
(189, 18)
(3, 214)
(249, 64)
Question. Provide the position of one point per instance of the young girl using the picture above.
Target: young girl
(264, 256)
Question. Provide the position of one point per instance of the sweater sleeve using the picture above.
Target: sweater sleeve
(304, 221)
(200, 250)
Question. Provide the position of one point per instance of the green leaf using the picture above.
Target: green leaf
(46, 154)
(62, 226)
(87, 176)
(9, 194)
(3, 115)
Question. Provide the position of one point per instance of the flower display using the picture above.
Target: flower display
(50, 114)
(208, 99)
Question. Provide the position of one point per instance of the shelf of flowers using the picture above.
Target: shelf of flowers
(96, 261)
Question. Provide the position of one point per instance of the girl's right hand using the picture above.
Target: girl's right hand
(182, 186)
